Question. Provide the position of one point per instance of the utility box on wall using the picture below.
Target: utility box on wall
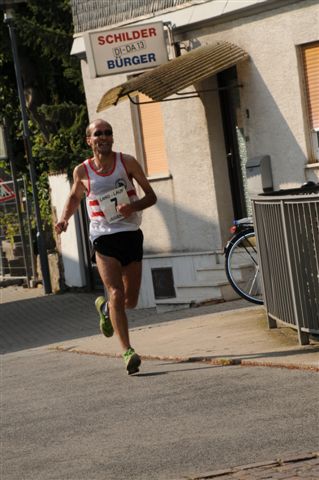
(259, 175)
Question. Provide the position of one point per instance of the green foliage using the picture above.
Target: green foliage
(66, 147)
(53, 88)
(9, 226)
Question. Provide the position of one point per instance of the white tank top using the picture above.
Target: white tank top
(98, 185)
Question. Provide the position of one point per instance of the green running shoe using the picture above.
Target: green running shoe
(132, 361)
(105, 322)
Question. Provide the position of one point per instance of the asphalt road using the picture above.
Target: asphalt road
(80, 417)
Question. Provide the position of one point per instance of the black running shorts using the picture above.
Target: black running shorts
(126, 247)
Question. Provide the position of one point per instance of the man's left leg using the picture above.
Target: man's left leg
(131, 277)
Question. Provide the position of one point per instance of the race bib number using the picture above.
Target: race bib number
(109, 202)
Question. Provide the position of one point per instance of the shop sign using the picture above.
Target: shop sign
(127, 49)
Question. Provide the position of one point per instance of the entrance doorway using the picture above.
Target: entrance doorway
(235, 143)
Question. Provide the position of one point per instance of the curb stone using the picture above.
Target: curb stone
(270, 468)
(222, 362)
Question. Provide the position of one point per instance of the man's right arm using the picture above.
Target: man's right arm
(73, 200)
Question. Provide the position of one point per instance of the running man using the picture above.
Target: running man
(114, 211)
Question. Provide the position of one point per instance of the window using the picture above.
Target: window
(163, 283)
(310, 55)
(152, 137)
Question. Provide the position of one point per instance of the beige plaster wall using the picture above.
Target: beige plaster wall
(272, 96)
(119, 116)
(185, 217)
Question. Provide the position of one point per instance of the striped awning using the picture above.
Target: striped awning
(172, 77)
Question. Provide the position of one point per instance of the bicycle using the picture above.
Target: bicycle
(241, 261)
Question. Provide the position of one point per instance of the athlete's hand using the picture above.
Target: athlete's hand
(61, 226)
(125, 209)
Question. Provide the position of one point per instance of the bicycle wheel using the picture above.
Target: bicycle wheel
(241, 265)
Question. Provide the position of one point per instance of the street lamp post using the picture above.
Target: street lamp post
(8, 20)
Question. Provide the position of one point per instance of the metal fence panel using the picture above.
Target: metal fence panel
(287, 229)
(16, 248)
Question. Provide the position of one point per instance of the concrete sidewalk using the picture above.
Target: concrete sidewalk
(233, 337)
(227, 333)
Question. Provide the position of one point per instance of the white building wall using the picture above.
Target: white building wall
(272, 92)
(70, 241)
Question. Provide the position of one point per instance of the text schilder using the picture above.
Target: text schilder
(111, 38)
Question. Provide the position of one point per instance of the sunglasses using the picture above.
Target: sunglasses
(107, 133)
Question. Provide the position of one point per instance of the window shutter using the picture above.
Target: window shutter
(311, 66)
(153, 137)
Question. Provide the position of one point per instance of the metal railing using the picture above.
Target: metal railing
(287, 228)
(16, 247)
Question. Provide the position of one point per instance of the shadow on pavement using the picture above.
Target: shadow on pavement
(40, 321)
(34, 322)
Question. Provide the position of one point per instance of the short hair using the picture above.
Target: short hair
(89, 127)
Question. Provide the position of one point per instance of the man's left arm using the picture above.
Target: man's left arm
(135, 171)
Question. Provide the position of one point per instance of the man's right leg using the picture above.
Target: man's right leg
(110, 270)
